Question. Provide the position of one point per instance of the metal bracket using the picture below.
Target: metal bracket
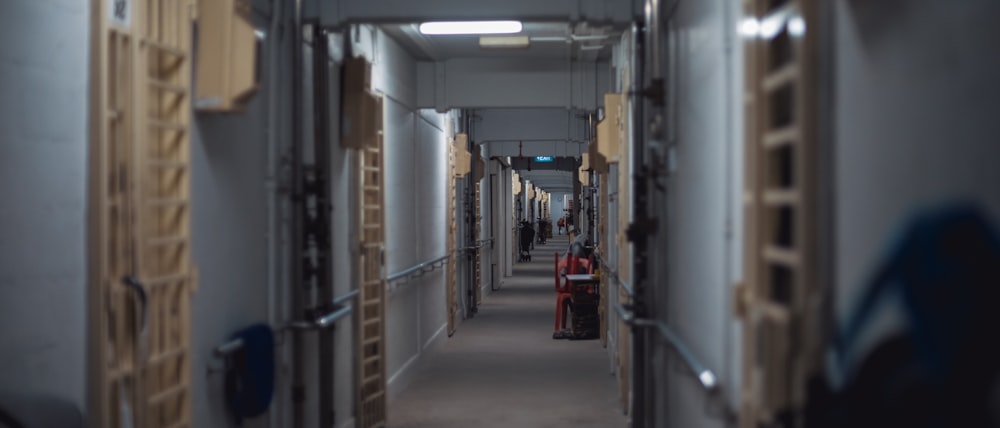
(642, 228)
(655, 92)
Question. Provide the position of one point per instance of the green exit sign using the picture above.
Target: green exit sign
(544, 158)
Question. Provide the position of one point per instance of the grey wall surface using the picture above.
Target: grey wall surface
(556, 211)
(528, 124)
(416, 163)
(915, 122)
(531, 131)
(703, 211)
(229, 221)
(513, 83)
(44, 58)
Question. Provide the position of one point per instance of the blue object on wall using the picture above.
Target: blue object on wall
(940, 372)
(250, 373)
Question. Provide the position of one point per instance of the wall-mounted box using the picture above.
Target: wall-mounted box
(609, 129)
(361, 110)
(226, 66)
(480, 165)
(463, 159)
(584, 170)
(597, 161)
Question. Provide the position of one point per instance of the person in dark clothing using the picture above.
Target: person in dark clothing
(527, 237)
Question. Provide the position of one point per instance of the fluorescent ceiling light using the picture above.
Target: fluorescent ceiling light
(563, 39)
(796, 26)
(501, 42)
(470, 27)
(750, 27)
(589, 38)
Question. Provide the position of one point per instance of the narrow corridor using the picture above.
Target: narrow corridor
(531, 380)
(299, 213)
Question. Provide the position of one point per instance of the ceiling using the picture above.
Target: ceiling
(559, 41)
(580, 42)
(549, 180)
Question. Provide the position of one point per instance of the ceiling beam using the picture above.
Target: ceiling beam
(476, 83)
(530, 124)
(561, 163)
(530, 148)
(336, 13)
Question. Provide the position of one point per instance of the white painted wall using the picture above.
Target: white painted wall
(698, 246)
(229, 156)
(229, 226)
(915, 122)
(416, 172)
(44, 58)
(558, 204)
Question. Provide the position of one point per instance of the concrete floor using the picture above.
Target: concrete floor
(503, 369)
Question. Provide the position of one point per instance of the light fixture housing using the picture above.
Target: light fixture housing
(504, 42)
(470, 27)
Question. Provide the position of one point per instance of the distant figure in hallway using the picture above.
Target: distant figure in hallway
(527, 237)
(561, 224)
(542, 230)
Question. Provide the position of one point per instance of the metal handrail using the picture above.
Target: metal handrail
(612, 273)
(346, 296)
(479, 244)
(332, 317)
(320, 323)
(405, 273)
(706, 377)
(228, 347)
(625, 285)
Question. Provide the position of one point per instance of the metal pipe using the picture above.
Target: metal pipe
(322, 322)
(298, 293)
(270, 183)
(732, 111)
(640, 261)
(321, 160)
(271, 175)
